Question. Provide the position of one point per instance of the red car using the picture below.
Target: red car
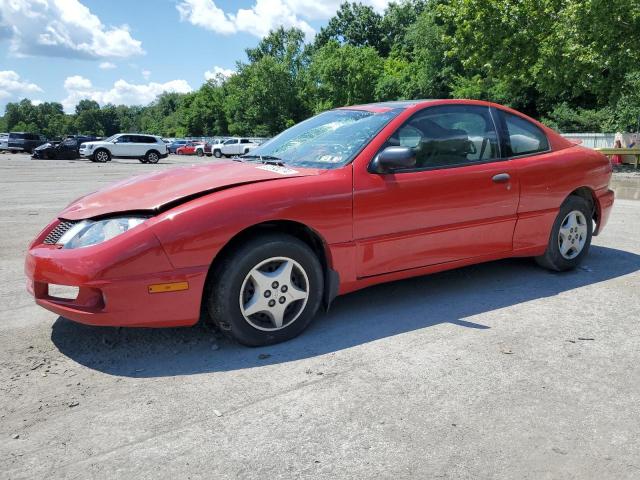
(187, 149)
(349, 198)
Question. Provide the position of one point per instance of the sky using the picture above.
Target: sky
(130, 51)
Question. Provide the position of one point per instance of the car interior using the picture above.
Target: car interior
(447, 138)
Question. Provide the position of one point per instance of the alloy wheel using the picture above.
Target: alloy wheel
(274, 294)
(572, 235)
(102, 156)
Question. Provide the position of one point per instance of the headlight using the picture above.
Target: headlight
(90, 232)
(90, 147)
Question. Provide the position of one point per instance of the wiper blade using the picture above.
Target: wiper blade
(266, 159)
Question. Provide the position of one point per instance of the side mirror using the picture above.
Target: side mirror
(393, 158)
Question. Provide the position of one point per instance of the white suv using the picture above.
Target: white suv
(146, 148)
(233, 146)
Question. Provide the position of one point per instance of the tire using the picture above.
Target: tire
(239, 278)
(217, 153)
(246, 150)
(101, 156)
(200, 153)
(570, 237)
(152, 157)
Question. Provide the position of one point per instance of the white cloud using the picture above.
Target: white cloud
(257, 20)
(216, 72)
(107, 66)
(263, 15)
(122, 92)
(12, 87)
(62, 28)
(146, 74)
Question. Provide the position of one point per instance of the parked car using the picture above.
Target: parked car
(188, 149)
(349, 198)
(207, 148)
(146, 148)
(173, 146)
(24, 141)
(69, 148)
(234, 146)
(4, 142)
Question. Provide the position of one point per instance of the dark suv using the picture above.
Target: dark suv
(24, 142)
(69, 148)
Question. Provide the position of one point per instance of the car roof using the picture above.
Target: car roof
(391, 105)
(404, 104)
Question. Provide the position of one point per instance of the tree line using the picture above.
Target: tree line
(574, 64)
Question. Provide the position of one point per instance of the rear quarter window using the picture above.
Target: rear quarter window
(521, 137)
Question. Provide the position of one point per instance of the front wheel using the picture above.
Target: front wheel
(102, 156)
(200, 153)
(217, 154)
(570, 237)
(267, 291)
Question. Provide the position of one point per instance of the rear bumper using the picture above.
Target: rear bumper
(164, 155)
(605, 199)
(113, 283)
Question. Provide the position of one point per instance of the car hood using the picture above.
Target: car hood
(160, 191)
(44, 146)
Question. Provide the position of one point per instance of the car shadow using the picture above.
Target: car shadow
(374, 313)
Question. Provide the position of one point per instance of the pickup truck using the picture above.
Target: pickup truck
(233, 146)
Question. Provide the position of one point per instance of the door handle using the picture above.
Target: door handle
(501, 178)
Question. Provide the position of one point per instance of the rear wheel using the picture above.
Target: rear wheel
(152, 157)
(102, 156)
(570, 236)
(267, 291)
(200, 153)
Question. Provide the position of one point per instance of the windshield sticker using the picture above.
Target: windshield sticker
(330, 158)
(278, 169)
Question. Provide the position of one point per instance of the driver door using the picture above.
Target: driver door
(121, 146)
(458, 202)
(68, 149)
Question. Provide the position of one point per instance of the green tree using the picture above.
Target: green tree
(342, 75)
(356, 25)
(261, 99)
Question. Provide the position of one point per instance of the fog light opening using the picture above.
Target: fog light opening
(63, 292)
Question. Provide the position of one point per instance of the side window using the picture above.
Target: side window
(125, 139)
(244, 140)
(522, 137)
(449, 135)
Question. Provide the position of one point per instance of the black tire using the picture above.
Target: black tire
(152, 157)
(200, 153)
(223, 293)
(101, 155)
(553, 259)
(217, 153)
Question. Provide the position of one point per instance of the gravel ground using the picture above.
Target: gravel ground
(501, 370)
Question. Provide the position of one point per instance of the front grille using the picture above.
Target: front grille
(56, 233)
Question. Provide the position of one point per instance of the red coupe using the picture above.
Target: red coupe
(349, 198)
(187, 149)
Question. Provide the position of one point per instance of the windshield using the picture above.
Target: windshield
(328, 140)
(111, 138)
